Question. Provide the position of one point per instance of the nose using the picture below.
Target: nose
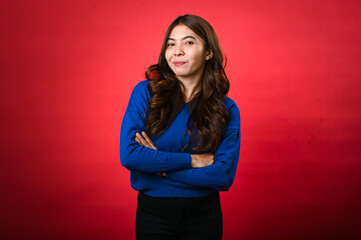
(179, 50)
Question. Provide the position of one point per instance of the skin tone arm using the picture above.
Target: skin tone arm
(198, 160)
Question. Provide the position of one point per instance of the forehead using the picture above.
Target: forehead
(181, 31)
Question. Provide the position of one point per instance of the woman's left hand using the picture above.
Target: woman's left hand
(145, 141)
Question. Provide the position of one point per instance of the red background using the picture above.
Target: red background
(67, 71)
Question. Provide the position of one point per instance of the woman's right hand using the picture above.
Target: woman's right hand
(202, 160)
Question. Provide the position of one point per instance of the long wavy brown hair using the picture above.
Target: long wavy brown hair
(208, 114)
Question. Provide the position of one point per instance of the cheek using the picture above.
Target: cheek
(167, 56)
(198, 54)
(198, 58)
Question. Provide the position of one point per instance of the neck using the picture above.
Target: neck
(190, 88)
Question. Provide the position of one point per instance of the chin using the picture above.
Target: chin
(178, 74)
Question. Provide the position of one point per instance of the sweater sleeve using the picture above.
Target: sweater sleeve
(220, 175)
(140, 158)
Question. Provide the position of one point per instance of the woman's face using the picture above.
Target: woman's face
(186, 54)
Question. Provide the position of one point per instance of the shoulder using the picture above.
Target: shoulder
(141, 90)
(234, 113)
(140, 96)
(231, 105)
(141, 87)
(229, 102)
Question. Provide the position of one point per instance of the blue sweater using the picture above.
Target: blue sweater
(181, 179)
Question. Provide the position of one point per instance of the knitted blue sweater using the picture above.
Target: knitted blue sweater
(181, 179)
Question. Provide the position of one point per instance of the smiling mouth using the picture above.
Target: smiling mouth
(179, 63)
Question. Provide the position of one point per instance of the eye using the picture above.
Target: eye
(189, 43)
(170, 44)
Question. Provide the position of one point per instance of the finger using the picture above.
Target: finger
(142, 140)
(148, 140)
(138, 141)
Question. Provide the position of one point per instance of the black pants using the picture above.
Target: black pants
(174, 218)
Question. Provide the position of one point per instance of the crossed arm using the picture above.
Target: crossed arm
(197, 160)
(208, 171)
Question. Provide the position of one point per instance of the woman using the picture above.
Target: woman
(180, 136)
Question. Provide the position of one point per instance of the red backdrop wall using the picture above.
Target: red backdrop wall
(67, 71)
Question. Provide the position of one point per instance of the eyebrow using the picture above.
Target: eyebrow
(183, 38)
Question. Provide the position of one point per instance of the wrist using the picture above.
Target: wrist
(193, 160)
(196, 161)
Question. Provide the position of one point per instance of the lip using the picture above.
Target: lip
(178, 63)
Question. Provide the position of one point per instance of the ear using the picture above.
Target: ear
(209, 55)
